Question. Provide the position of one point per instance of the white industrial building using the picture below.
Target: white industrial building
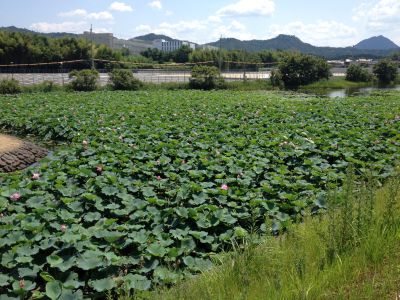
(169, 46)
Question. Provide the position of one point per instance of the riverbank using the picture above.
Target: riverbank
(349, 253)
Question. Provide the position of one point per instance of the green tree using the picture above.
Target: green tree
(299, 69)
(85, 80)
(356, 73)
(206, 78)
(386, 71)
(182, 54)
(124, 80)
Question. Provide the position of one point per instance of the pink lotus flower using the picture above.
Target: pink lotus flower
(35, 176)
(22, 283)
(63, 228)
(224, 187)
(85, 143)
(99, 169)
(158, 177)
(15, 196)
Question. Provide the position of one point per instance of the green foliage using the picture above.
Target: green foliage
(206, 78)
(44, 87)
(386, 71)
(276, 79)
(124, 80)
(356, 73)
(154, 183)
(85, 80)
(10, 87)
(22, 48)
(298, 69)
(349, 253)
(180, 55)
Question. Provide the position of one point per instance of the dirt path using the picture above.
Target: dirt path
(8, 143)
(16, 154)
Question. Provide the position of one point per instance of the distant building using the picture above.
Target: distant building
(100, 38)
(169, 46)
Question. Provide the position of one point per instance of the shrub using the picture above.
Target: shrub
(206, 78)
(356, 73)
(124, 80)
(85, 80)
(276, 78)
(299, 69)
(10, 87)
(45, 87)
(386, 71)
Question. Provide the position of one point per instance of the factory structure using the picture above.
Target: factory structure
(169, 46)
(136, 46)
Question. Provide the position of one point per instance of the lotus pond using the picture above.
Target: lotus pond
(151, 185)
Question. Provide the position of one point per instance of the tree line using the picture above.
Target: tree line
(22, 48)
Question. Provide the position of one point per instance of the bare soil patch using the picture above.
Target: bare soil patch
(16, 154)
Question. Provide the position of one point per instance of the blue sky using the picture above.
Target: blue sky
(322, 23)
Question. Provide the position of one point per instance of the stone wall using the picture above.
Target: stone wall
(21, 157)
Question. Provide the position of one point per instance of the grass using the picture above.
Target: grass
(352, 252)
(336, 83)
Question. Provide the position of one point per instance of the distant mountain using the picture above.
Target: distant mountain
(289, 42)
(27, 31)
(377, 43)
(281, 42)
(135, 46)
(152, 36)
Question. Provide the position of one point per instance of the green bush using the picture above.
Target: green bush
(299, 69)
(276, 79)
(10, 87)
(44, 87)
(356, 73)
(386, 71)
(206, 78)
(85, 80)
(124, 80)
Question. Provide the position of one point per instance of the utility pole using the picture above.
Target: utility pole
(220, 54)
(91, 47)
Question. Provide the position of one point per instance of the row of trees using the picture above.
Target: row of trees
(21, 48)
(226, 59)
(385, 71)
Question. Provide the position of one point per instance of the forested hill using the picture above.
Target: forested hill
(377, 42)
(288, 42)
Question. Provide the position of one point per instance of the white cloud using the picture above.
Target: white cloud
(379, 15)
(156, 4)
(233, 30)
(248, 8)
(74, 13)
(185, 30)
(198, 30)
(121, 6)
(321, 33)
(103, 15)
(215, 19)
(76, 27)
(143, 29)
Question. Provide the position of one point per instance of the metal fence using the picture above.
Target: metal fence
(29, 77)
(157, 76)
